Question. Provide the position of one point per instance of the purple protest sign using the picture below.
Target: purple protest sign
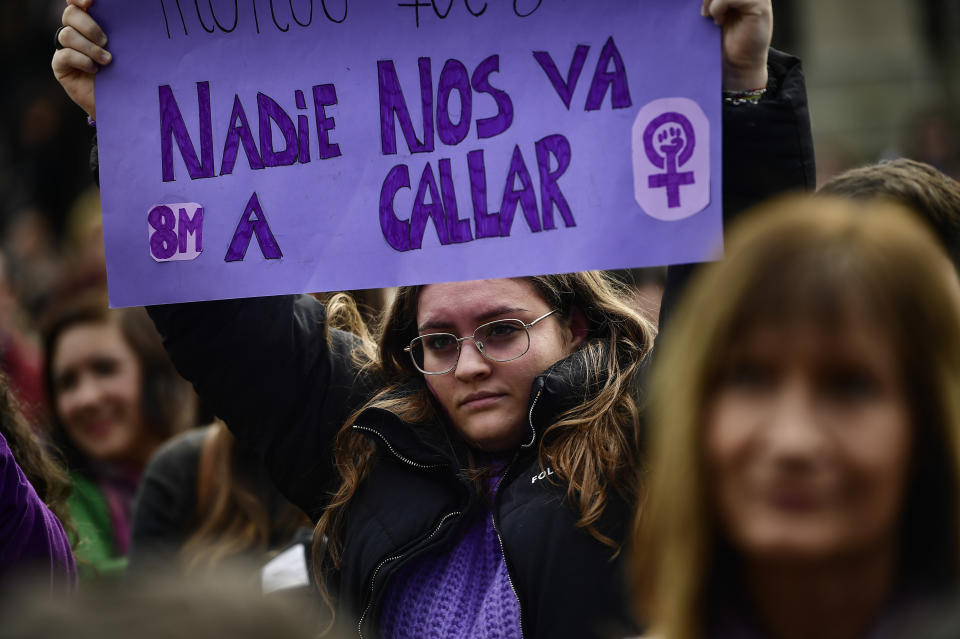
(258, 147)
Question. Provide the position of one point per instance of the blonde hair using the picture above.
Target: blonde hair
(593, 447)
(810, 259)
(235, 512)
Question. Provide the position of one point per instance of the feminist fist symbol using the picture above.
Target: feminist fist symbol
(676, 144)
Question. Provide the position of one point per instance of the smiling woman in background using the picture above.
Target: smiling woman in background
(115, 398)
(806, 433)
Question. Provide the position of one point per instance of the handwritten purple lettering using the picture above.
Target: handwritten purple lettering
(270, 114)
(439, 205)
(604, 80)
(169, 233)
(253, 221)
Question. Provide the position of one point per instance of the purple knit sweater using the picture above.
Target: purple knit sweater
(462, 592)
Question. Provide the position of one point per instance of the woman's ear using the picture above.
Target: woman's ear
(578, 327)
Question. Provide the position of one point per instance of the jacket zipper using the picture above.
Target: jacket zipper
(443, 520)
(496, 528)
(409, 462)
(533, 429)
(376, 571)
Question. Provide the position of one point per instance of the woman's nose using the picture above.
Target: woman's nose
(794, 431)
(472, 363)
(86, 393)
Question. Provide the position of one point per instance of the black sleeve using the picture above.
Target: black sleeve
(767, 150)
(95, 160)
(164, 512)
(267, 368)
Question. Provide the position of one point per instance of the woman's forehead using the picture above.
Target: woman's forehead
(476, 300)
(105, 330)
(85, 339)
(854, 337)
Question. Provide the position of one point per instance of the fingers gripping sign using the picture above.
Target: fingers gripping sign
(747, 27)
(83, 53)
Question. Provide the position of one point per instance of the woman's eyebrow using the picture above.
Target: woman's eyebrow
(481, 318)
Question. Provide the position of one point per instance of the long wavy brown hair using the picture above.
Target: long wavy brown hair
(593, 447)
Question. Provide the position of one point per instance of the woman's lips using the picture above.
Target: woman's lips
(97, 428)
(480, 400)
(795, 501)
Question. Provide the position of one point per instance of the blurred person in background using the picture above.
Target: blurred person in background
(83, 246)
(805, 432)
(933, 195)
(42, 144)
(834, 156)
(20, 357)
(932, 137)
(33, 509)
(115, 398)
(33, 264)
(205, 501)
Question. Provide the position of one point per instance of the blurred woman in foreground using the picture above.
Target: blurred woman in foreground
(803, 478)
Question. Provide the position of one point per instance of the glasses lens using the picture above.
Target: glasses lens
(504, 340)
(436, 353)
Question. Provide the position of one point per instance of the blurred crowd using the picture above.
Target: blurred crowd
(833, 338)
(50, 238)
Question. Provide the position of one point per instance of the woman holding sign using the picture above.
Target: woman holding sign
(471, 467)
(483, 448)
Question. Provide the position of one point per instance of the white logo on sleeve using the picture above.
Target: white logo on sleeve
(542, 475)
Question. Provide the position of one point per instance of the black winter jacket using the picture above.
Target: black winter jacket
(265, 367)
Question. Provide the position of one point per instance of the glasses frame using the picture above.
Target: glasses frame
(479, 344)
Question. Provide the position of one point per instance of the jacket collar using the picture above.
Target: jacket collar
(423, 446)
(564, 386)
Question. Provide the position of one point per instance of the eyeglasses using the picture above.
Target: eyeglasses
(499, 341)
